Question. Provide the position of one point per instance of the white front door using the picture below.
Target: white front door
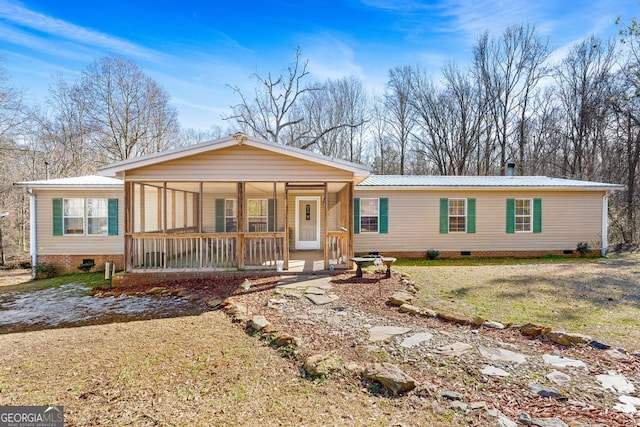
(308, 222)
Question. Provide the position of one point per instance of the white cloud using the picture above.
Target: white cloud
(58, 29)
(330, 57)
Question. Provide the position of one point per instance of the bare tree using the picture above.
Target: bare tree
(509, 68)
(451, 119)
(269, 113)
(384, 157)
(334, 119)
(401, 116)
(584, 86)
(128, 114)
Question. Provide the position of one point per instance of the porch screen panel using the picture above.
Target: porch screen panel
(220, 221)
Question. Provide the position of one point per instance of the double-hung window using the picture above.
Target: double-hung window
(258, 215)
(73, 216)
(230, 215)
(523, 215)
(457, 215)
(369, 209)
(97, 217)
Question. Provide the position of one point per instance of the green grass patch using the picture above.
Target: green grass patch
(544, 259)
(577, 295)
(89, 280)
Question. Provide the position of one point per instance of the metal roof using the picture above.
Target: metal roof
(92, 181)
(435, 181)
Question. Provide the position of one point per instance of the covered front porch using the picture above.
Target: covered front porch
(173, 226)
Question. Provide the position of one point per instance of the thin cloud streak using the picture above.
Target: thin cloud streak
(59, 29)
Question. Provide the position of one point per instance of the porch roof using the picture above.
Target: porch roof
(118, 168)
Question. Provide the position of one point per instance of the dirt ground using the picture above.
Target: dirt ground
(14, 276)
(207, 370)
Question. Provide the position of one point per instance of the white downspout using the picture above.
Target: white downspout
(605, 224)
(33, 232)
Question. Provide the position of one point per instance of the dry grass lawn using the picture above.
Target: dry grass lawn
(199, 370)
(600, 299)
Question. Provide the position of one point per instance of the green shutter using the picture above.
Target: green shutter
(270, 214)
(537, 215)
(220, 222)
(444, 216)
(511, 215)
(384, 215)
(471, 215)
(356, 216)
(57, 217)
(113, 217)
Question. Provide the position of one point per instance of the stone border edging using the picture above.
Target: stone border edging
(403, 299)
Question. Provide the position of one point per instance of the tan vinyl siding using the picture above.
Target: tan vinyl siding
(241, 163)
(567, 218)
(48, 244)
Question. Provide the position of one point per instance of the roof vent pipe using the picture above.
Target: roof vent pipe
(511, 169)
(46, 171)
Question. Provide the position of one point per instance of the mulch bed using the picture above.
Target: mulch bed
(369, 295)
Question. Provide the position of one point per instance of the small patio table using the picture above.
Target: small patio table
(369, 260)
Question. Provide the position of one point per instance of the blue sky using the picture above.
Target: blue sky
(194, 49)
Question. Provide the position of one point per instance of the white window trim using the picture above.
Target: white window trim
(235, 208)
(449, 216)
(266, 217)
(377, 199)
(86, 214)
(84, 220)
(515, 216)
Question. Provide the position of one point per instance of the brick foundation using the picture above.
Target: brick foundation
(66, 264)
(486, 254)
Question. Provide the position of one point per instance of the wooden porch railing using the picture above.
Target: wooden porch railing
(337, 248)
(191, 251)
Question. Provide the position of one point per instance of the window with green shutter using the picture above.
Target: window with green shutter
(57, 217)
(471, 215)
(444, 216)
(524, 216)
(537, 215)
(384, 215)
(457, 215)
(113, 217)
(511, 215)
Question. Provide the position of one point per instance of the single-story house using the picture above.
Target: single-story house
(241, 203)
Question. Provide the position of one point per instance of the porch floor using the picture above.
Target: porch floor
(306, 261)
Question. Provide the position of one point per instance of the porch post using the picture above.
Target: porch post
(199, 211)
(164, 224)
(128, 213)
(241, 223)
(286, 227)
(350, 227)
(326, 227)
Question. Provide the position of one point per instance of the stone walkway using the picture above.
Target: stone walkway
(312, 301)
